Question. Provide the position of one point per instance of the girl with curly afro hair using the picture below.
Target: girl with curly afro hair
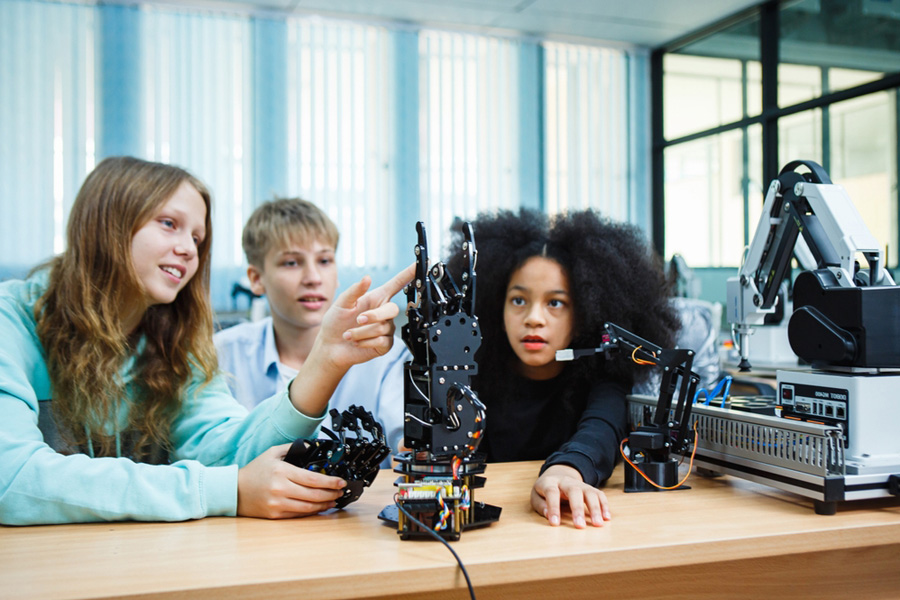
(544, 284)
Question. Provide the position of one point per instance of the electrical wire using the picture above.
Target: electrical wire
(734, 341)
(436, 536)
(724, 387)
(445, 512)
(418, 389)
(744, 254)
(654, 484)
(417, 419)
(641, 361)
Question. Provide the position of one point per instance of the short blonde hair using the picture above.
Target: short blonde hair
(279, 222)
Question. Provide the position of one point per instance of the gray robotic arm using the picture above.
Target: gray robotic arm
(808, 216)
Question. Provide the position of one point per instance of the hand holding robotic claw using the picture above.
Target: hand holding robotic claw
(444, 419)
(355, 458)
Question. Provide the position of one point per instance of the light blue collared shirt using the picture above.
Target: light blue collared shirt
(249, 357)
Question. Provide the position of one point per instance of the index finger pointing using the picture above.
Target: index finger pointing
(396, 283)
(352, 294)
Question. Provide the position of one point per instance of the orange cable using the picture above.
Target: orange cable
(641, 361)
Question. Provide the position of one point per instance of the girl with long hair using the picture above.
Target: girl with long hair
(112, 404)
(545, 284)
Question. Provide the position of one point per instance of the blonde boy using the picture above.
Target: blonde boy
(290, 246)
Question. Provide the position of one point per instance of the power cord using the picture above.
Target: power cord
(436, 536)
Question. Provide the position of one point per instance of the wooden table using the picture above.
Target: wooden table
(724, 538)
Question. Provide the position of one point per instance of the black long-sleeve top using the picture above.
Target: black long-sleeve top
(532, 423)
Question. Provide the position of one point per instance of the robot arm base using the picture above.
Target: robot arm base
(663, 474)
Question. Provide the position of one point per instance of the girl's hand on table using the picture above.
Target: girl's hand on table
(562, 482)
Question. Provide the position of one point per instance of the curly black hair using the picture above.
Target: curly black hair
(614, 276)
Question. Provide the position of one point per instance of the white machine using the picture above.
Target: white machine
(836, 436)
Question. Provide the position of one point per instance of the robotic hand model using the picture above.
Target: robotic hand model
(651, 467)
(355, 458)
(444, 419)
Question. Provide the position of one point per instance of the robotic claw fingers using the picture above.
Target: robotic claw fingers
(355, 458)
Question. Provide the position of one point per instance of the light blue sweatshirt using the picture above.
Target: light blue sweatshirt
(212, 437)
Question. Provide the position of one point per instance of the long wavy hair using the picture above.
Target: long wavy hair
(614, 276)
(93, 285)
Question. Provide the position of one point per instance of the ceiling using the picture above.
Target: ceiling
(646, 23)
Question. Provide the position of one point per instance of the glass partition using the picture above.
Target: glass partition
(833, 68)
(707, 181)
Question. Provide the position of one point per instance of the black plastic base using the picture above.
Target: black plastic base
(823, 507)
(415, 468)
(663, 474)
(483, 515)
